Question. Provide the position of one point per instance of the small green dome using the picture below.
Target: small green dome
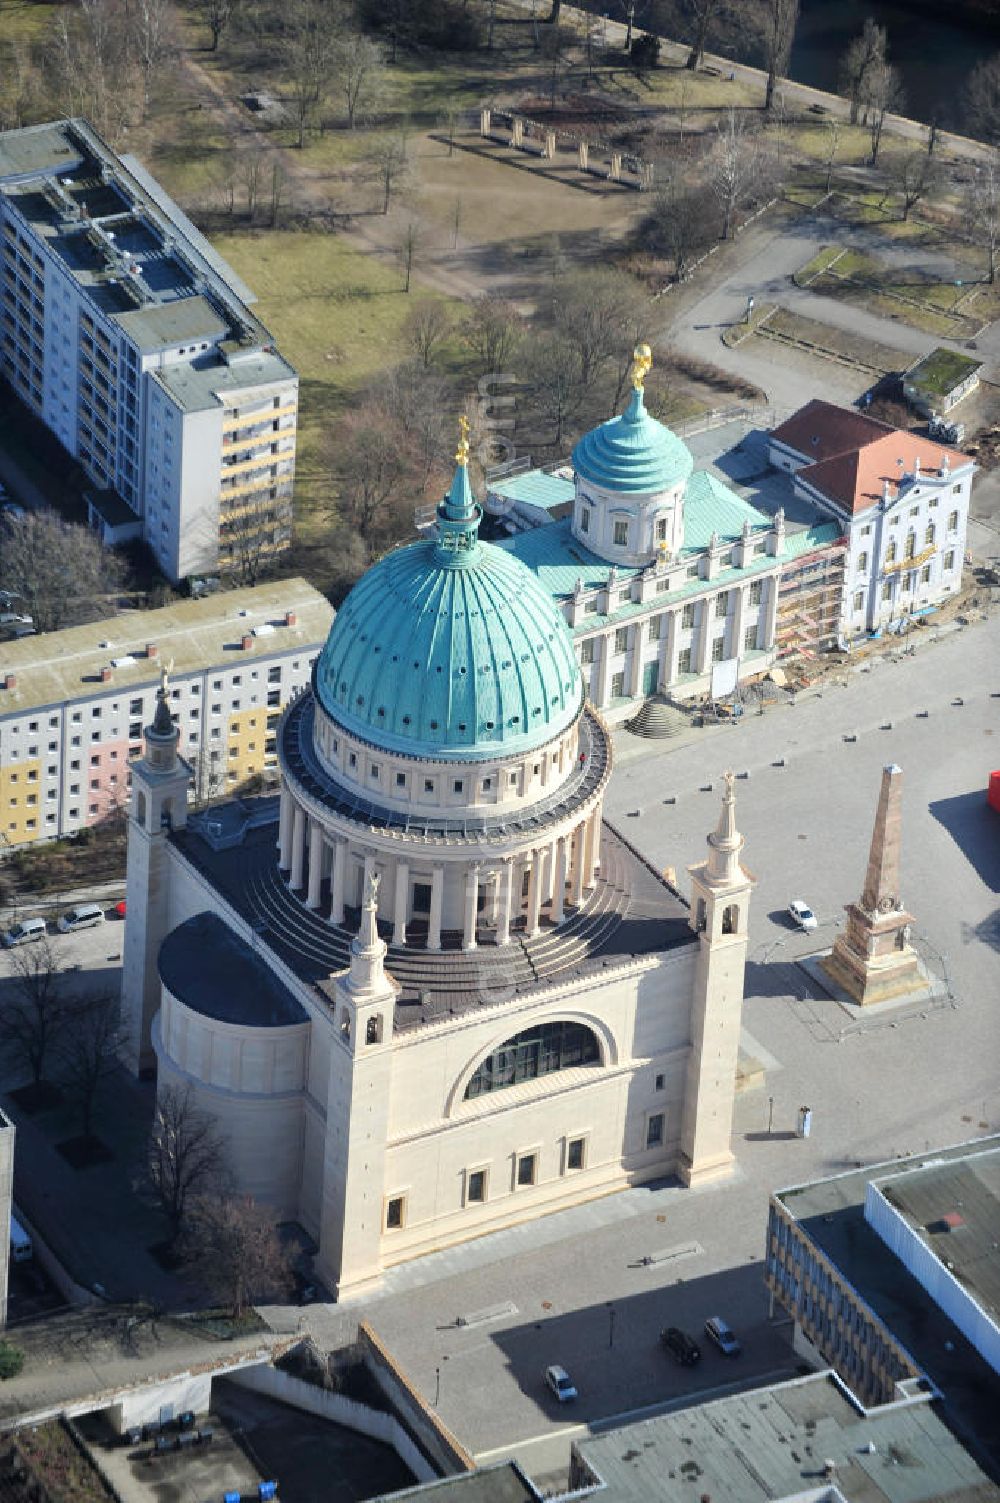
(450, 648)
(632, 453)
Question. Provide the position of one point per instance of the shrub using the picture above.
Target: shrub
(11, 1360)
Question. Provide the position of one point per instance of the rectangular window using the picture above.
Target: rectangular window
(458, 785)
(687, 615)
(718, 649)
(654, 1130)
(621, 534)
(887, 590)
(428, 785)
(475, 1187)
(659, 1083)
(587, 652)
(135, 707)
(401, 780)
(526, 1168)
(618, 686)
(953, 521)
(574, 1153)
(621, 639)
(274, 675)
(395, 1213)
(750, 639)
(925, 574)
(859, 600)
(756, 592)
(721, 602)
(661, 529)
(655, 627)
(684, 661)
(374, 772)
(584, 519)
(949, 560)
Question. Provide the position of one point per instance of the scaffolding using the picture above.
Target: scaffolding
(810, 597)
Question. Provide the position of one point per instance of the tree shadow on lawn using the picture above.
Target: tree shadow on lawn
(34, 1098)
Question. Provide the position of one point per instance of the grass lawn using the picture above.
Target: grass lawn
(821, 262)
(336, 314)
(834, 343)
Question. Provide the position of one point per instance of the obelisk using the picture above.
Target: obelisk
(873, 959)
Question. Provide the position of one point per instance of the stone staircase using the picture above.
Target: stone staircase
(658, 718)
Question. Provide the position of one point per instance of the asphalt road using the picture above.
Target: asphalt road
(879, 1085)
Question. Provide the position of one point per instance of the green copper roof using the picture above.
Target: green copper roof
(632, 452)
(451, 648)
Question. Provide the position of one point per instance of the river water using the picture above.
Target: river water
(934, 52)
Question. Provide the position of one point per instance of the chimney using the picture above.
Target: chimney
(246, 642)
(290, 618)
(152, 651)
(105, 675)
(10, 680)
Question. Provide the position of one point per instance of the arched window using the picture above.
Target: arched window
(541, 1050)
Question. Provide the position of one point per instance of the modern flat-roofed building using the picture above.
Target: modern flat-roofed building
(133, 341)
(73, 703)
(890, 1274)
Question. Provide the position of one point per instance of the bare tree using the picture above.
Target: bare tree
(217, 15)
(186, 1154)
(702, 12)
(553, 371)
(152, 39)
(863, 53)
(407, 249)
(776, 22)
(357, 70)
(426, 329)
(832, 145)
(250, 164)
(681, 224)
(309, 51)
(276, 201)
(30, 1021)
(90, 1040)
(493, 332)
(61, 573)
(391, 166)
(982, 100)
(883, 93)
(914, 175)
(252, 532)
(739, 166)
(373, 473)
(595, 309)
(420, 404)
(235, 1251)
(91, 69)
(982, 211)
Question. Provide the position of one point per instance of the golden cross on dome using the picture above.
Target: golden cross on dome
(642, 360)
(165, 671)
(462, 452)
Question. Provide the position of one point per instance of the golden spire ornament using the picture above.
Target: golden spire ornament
(642, 360)
(462, 452)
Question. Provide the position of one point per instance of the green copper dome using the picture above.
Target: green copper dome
(450, 648)
(632, 452)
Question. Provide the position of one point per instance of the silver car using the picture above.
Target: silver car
(561, 1384)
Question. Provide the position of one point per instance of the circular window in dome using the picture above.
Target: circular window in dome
(381, 711)
(514, 719)
(406, 719)
(434, 725)
(490, 725)
(461, 725)
(360, 699)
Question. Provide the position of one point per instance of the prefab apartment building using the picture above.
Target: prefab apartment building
(132, 340)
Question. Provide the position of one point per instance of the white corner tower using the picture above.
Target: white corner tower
(720, 901)
(363, 1000)
(158, 805)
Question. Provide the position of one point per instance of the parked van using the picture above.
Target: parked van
(24, 932)
(81, 917)
(21, 1249)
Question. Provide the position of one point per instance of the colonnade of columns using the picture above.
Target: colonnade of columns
(558, 871)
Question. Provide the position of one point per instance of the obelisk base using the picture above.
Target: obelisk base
(873, 960)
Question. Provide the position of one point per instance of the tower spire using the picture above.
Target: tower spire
(459, 514)
(367, 949)
(725, 842)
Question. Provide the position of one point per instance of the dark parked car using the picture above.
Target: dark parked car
(682, 1347)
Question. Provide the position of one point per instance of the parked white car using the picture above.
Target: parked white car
(801, 914)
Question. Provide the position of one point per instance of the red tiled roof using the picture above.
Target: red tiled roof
(856, 480)
(820, 429)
